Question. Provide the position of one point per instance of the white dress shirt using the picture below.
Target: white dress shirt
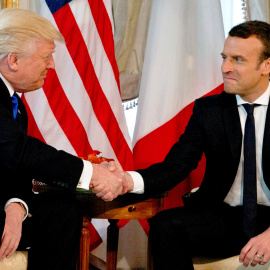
(235, 195)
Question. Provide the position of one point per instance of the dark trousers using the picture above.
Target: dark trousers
(53, 232)
(178, 234)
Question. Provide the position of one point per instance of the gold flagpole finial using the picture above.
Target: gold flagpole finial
(9, 4)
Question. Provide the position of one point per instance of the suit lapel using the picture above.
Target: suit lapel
(234, 134)
(266, 149)
(233, 127)
(22, 118)
(5, 99)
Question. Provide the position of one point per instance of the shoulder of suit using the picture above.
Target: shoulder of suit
(222, 98)
(4, 90)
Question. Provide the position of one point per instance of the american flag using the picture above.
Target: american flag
(79, 108)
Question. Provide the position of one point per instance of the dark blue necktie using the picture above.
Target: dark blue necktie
(250, 181)
(14, 100)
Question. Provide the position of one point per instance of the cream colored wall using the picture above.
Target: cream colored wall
(33, 5)
(259, 10)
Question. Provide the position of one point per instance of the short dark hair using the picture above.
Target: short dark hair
(254, 28)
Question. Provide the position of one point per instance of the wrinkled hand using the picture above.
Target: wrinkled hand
(103, 190)
(257, 247)
(12, 230)
(107, 184)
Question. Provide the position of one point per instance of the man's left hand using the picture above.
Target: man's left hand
(257, 250)
(12, 231)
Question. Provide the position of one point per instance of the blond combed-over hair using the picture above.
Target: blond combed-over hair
(20, 28)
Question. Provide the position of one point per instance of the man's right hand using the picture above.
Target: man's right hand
(117, 177)
(12, 231)
(107, 185)
(128, 184)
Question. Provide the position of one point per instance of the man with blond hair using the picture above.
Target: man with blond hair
(47, 224)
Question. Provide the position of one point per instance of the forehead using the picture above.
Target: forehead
(45, 46)
(251, 46)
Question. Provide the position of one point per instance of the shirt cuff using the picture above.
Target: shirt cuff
(86, 176)
(138, 182)
(18, 201)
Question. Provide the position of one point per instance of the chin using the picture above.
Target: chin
(34, 88)
(38, 85)
(230, 90)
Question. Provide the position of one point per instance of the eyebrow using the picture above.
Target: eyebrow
(234, 56)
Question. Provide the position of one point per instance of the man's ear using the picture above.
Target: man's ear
(12, 61)
(266, 67)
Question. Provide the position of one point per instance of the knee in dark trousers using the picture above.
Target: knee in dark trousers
(169, 241)
(56, 227)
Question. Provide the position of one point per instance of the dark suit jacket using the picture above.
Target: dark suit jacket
(214, 129)
(23, 158)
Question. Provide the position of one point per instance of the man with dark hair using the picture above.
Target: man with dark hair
(254, 28)
(230, 213)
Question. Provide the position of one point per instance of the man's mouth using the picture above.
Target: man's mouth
(228, 79)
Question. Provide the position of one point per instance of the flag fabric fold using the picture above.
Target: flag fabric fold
(182, 63)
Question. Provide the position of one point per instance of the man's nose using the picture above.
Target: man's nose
(50, 63)
(226, 66)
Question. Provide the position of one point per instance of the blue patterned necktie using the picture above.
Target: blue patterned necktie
(14, 100)
(250, 180)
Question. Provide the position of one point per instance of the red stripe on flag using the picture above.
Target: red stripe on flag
(96, 240)
(79, 53)
(104, 28)
(33, 129)
(153, 147)
(60, 106)
(145, 226)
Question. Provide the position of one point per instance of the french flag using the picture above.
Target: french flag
(182, 63)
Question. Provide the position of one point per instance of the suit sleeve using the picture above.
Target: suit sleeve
(181, 159)
(25, 157)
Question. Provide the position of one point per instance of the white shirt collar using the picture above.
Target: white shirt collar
(8, 85)
(262, 100)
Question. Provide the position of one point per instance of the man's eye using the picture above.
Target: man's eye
(239, 59)
(47, 57)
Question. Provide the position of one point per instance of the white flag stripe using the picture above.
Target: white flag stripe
(85, 112)
(81, 103)
(101, 225)
(172, 77)
(46, 13)
(46, 122)
(108, 6)
(100, 61)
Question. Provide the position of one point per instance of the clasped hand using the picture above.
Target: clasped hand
(109, 180)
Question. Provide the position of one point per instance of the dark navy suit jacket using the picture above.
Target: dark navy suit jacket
(215, 130)
(24, 158)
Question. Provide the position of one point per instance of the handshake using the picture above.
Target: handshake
(109, 180)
